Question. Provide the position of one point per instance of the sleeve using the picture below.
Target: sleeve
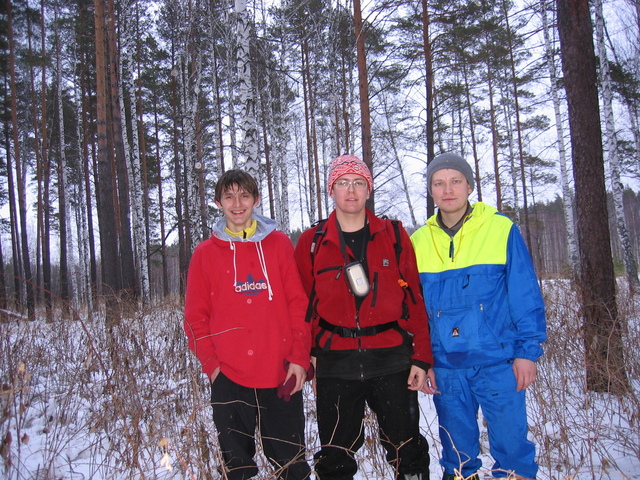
(525, 299)
(302, 257)
(197, 314)
(297, 303)
(418, 323)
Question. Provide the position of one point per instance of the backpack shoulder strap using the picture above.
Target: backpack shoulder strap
(318, 235)
(397, 246)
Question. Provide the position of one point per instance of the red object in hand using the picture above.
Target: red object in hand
(284, 390)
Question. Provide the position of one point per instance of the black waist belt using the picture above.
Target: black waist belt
(358, 332)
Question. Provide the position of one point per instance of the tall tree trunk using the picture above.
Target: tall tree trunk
(516, 98)
(606, 91)
(472, 131)
(28, 279)
(314, 208)
(183, 245)
(494, 138)
(121, 150)
(43, 265)
(249, 147)
(66, 238)
(429, 90)
(163, 240)
(390, 136)
(215, 88)
(109, 253)
(567, 192)
(19, 288)
(132, 153)
(88, 158)
(602, 327)
(3, 290)
(363, 84)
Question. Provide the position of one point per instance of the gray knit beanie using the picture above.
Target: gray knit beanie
(452, 161)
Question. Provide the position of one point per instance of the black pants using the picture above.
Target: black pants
(341, 407)
(236, 412)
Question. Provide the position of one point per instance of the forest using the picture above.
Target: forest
(118, 117)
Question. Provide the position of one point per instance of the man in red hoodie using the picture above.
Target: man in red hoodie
(245, 320)
(370, 333)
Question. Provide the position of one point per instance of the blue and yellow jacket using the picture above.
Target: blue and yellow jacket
(480, 290)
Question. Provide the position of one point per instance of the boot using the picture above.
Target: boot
(451, 476)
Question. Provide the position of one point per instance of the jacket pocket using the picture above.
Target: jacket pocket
(461, 330)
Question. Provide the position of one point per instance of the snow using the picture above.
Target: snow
(80, 401)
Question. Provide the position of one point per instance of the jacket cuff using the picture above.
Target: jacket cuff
(423, 365)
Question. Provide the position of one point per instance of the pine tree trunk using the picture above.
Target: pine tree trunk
(66, 238)
(494, 139)
(123, 205)
(602, 327)
(43, 265)
(314, 186)
(106, 211)
(163, 237)
(28, 281)
(363, 84)
(472, 130)
(19, 288)
(429, 90)
(516, 97)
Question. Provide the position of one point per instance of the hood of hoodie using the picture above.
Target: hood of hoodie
(265, 226)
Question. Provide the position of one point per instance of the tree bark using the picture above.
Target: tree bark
(602, 327)
(27, 279)
(363, 84)
(567, 192)
(617, 189)
(429, 89)
(106, 212)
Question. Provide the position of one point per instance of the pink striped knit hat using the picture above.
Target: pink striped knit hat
(345, 165)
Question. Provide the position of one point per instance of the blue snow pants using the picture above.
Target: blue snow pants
(493, 388)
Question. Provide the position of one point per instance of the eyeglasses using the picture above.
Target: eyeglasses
(356, 184)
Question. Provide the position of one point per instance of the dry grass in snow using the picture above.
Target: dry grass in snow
(81, 402)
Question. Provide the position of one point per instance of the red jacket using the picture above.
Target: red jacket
(335, 303)
(230, 319)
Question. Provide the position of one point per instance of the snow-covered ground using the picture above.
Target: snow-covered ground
(81, 402)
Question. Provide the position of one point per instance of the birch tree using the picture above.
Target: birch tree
(248, 102)
(567, 192)
(64, 212)
(606, 92)
(132, 153)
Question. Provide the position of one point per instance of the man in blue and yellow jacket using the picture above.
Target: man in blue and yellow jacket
(487, 321)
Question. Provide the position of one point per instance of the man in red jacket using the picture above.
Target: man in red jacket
(371, 340)
(245, 320)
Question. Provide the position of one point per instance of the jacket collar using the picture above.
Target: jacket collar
(376, 225)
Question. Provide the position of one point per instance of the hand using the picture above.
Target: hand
(416, 378)
(430, 386)
(215, 374)
(300, 374)
(525, 372)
